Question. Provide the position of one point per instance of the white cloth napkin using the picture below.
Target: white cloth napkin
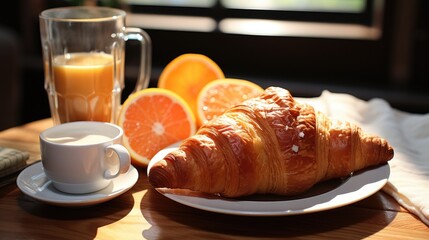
(407, 133)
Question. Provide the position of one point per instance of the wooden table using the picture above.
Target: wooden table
(143, 213)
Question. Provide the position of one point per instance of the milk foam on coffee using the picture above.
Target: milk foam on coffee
(79, 139)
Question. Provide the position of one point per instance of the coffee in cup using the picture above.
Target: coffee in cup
(83, 156)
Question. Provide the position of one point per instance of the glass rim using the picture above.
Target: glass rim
(82, 14)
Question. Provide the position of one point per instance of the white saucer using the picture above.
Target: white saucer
(33, 182)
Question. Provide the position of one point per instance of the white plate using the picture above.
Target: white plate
(323, 196)
(33, 182)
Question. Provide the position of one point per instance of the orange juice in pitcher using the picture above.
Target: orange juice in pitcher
(84, 83)
(84, 56)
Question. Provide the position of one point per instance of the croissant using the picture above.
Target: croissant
(270, 144)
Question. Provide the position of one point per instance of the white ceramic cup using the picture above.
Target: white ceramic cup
(84, 156)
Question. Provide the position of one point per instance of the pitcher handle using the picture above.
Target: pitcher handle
(132, 33)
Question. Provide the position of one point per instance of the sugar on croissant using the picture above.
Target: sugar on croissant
(268, 144)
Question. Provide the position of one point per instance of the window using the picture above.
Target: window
(253, 17)
(352, 6)
(174, 3)
(325, 41)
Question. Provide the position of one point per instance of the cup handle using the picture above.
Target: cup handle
(140, 35)
(124, 160)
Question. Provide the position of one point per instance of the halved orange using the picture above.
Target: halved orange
(187, 74)
(218, 96)
(153, 119)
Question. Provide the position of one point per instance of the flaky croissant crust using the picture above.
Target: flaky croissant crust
(268, 144)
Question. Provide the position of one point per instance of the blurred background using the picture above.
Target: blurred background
(367, 48)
